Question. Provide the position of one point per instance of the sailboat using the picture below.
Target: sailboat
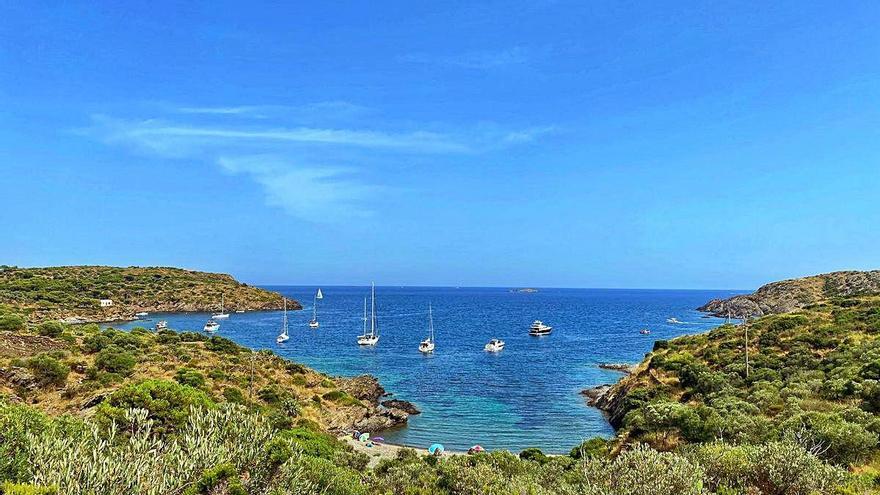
(427, 345)
(221, 315)
(314, 323)
(283, 336)
(371, 338)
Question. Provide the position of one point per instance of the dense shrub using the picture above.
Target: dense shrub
(50, 329)
(12, 322)
(189, 376)
(222, 345)
(115, 360)
(168, 403)
(48, 371)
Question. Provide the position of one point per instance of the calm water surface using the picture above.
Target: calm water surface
(525, 396)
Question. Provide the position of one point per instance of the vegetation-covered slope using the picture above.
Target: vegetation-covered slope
(76, 291)
(813, 377)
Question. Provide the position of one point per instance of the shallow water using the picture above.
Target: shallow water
(525, 396)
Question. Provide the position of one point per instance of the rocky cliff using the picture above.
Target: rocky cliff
(791, 295)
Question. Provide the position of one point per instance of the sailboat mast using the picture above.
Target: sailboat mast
(284, 325)
(365, 316)
(431, 321)
(373, 310)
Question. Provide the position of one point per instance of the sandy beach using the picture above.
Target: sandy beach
(380, 451)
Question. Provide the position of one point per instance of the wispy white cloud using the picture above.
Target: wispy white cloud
(334, 109)
(167, 137)
(240, 110)
(317, 194)
(478, 59)
(281, 159)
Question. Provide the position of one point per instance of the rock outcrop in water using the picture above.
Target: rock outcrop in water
(791, 295)
(378, 416)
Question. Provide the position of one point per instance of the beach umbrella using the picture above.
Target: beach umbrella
(435, 449)
(364, 437)
(476, 449)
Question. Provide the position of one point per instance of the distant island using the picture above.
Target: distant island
(105, 293)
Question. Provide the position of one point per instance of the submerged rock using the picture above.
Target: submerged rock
(621, 367)
(405, 406)
(594, 394)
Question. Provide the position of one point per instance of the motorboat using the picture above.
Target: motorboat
(494, 345)
(162, 325)
(539, 328)
(645, 331)
(427, 345)
(141, 314)
(211, 326)
(672, 320)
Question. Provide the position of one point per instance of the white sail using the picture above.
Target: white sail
(319, 295)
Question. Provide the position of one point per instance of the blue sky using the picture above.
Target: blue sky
(570, 144)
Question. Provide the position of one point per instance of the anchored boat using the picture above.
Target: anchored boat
(371, 338)
(538, 328)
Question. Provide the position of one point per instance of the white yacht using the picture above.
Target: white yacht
(283, 336)
(162, 325)
(494, 345)
(222, 314)
(539, 328)
(371, 338)
(427, 345)
(314, 323)
(141, 314)
(211, 326)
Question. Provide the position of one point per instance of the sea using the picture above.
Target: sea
(524, 396)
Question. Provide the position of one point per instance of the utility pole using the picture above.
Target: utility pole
(745, 323)
(251, 385)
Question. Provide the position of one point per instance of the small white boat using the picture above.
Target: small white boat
(494, 345)
(427, 345)
(162, 325)
(239, 311)
(314, 323)
(141, 314)
(371, 338)
(283, 336)
(645, 331)
(211, 326)
(222, 314)
(539, 328)
(672, 320)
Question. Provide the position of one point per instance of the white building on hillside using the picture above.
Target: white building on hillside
(106, 303)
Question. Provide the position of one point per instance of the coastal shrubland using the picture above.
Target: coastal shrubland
(87, 410)
(42, 294)
(811, 380)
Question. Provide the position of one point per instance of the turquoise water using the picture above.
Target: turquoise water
(525, 396)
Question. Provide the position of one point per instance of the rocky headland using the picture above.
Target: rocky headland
(790, 295)
(74, 293)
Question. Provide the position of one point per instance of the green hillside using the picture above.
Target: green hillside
(813, 377)
(75, 292)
